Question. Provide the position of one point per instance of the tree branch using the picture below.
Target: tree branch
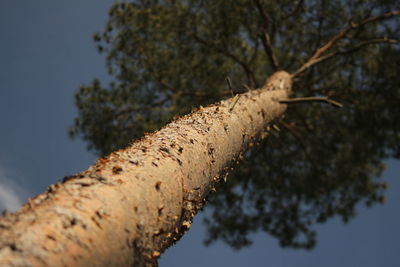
(315, 58)
(265, 37)
(268, 49)
(129, 194)
(357, 47)
(246, 68)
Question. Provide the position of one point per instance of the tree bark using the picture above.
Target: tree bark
(130, 206)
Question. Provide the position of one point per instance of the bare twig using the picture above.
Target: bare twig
(233, 102)
(291, 130)
(235, 98)
(316, 57)
(247, 87)
(265, 37)
(228, 81)
(311, 99)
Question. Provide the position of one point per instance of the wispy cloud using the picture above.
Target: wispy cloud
(11, 195)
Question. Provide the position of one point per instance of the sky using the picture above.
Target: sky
(46, 52)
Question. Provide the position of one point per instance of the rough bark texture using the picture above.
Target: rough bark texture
(131, 205)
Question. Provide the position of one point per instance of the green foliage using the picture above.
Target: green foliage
(169, 56)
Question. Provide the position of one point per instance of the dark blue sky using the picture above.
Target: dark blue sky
(46, 52)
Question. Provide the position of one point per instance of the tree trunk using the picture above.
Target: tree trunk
(131, 205)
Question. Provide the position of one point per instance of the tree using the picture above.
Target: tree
(170, 56)
(131, 205)
(126, 208)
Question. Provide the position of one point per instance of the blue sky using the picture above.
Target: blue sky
(46, 52)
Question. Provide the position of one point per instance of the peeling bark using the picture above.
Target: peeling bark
(128, 207)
